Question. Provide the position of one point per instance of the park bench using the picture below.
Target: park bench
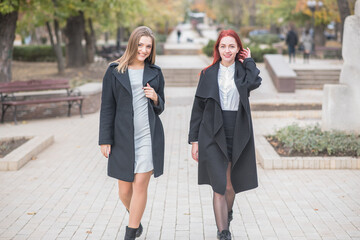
(328, 52)
(8, 97)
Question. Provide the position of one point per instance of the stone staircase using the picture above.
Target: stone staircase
(185, 77)
(316, 78)
(182, 70)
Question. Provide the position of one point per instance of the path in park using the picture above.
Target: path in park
(65, 193)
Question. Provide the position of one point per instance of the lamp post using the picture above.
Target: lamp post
(313, 6)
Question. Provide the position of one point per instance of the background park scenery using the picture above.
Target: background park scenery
(306, 117)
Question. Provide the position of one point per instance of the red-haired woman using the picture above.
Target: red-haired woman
(221, 131)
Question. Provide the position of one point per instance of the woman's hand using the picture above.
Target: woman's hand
(195, 151)
(150, 93)
(105, 150)
(245, 53)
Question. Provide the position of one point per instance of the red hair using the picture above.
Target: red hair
(225, 33)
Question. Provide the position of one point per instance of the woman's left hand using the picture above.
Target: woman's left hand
(245, 53)
(150, 93)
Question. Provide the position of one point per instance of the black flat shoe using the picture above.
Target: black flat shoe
(130, 233)
(139, 231)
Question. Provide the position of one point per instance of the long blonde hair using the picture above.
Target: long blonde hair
(132, 48)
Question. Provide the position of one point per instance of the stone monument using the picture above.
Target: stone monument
(341, 102)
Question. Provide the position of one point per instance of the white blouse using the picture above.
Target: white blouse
(229, 94)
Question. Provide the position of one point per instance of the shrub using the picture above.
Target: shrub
(311, 140)
(265, 39)
(208, 49)
(35, 53)
(258, 54)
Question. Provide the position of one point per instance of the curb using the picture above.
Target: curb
(23, 154)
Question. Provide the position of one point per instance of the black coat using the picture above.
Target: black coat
(117, 125)
(291, 38)
(206, 127)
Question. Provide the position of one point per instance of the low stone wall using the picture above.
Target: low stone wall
(91, 104)
(283, 76)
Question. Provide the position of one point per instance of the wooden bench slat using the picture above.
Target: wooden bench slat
(36, 101)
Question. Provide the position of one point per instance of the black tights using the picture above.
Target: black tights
(223, 204)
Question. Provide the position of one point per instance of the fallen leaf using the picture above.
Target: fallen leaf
(31, 213)
(34, 158)
(316, 209)
(88, 232)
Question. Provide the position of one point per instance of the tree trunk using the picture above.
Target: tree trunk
(90, 42)
(118, 39)
(344, 10)
(56, 46)
(7, 36)
(74, 31)
(252, 17)
(319, 38)
(106, 37)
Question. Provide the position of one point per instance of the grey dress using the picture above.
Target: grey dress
(142, 136)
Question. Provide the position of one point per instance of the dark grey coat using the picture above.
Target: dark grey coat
(206, 127)
(117, 125)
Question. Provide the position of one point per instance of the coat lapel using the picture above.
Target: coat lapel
(124, 79)
(149, 74)
(209, 87)
(240, 85)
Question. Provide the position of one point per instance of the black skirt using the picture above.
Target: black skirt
(229, 119)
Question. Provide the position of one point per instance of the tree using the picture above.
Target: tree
(344, 11)
(8, 18)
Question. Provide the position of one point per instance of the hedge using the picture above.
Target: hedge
(35, 53)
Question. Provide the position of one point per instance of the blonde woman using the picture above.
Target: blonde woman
(131, 133)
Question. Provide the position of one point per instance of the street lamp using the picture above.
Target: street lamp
(313, 6)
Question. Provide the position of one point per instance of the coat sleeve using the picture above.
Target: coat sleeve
(161, 98)
(107, 111)
(196, 116)
(252, 79)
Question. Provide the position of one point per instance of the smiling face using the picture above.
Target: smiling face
(228, 49)
(144, 48)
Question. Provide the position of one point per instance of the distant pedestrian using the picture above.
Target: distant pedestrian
(131, 133)
(178, 32)
(307, 43)
(291, 41)
(221, 130)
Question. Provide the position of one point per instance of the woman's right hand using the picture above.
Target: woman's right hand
(105, 150)
(195, 151)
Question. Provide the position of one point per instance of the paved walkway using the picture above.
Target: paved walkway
(65, 194)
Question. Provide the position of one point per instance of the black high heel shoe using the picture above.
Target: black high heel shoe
(230, 217)
(225, 235)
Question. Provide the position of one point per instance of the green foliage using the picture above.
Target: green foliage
(42, 53)
(258, 54)
(265, 39)
(208, 49)
(8, 6)
(312, 141)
